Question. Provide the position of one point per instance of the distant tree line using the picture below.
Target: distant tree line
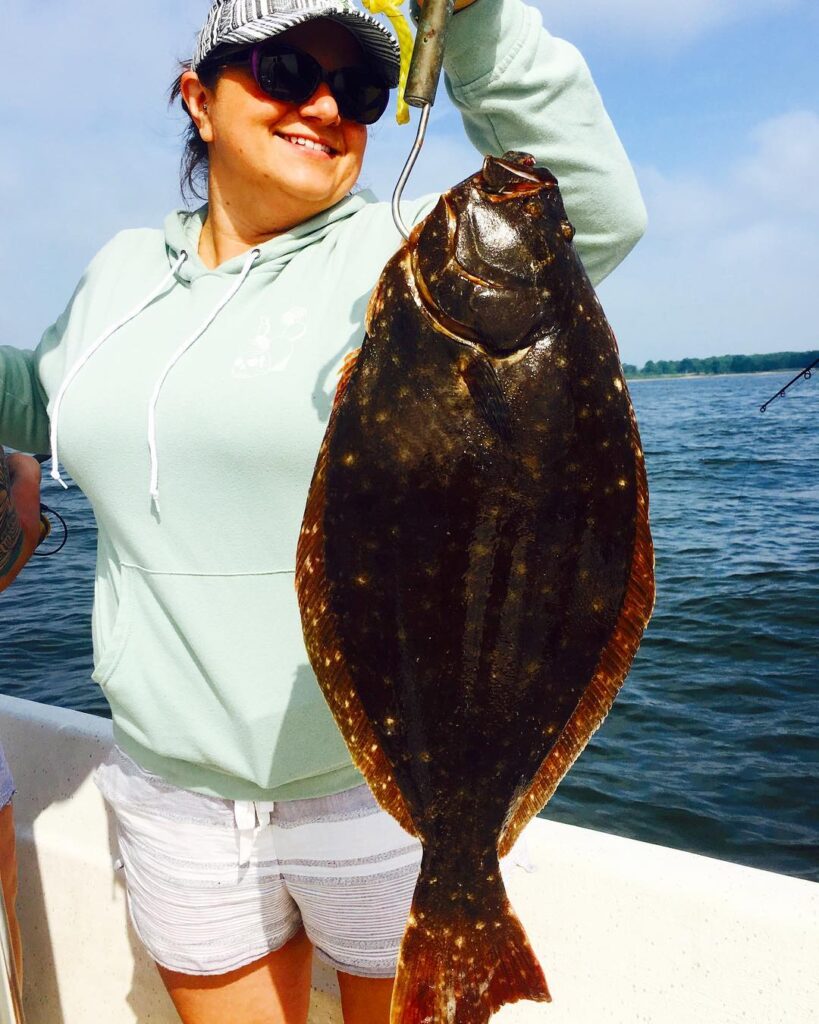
(723, 364)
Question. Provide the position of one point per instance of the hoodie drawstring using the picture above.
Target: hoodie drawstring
(250, 817)
(75, 369)
(154, 486)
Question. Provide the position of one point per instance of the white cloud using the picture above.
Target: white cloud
(729, 264)
(784, 170)
(637, 22)
(88, 145)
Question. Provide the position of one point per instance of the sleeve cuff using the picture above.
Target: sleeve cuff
(467, 56)
(483, 38)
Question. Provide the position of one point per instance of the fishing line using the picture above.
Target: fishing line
(45, 511)
(751, 450)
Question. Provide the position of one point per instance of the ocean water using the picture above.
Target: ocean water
(713, 743)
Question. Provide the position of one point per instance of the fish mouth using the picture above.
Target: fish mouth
(501, 179)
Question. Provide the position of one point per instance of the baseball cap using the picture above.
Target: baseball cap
(238, 22)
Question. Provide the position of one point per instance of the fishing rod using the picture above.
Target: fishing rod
(422, 84)
(805, 374)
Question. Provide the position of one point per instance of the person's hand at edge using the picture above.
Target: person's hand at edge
(21, 528)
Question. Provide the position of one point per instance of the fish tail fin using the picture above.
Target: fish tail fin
(461, 967)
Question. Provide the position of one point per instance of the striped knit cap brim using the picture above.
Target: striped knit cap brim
(236, 22)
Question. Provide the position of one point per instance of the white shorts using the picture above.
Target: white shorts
(215, 884)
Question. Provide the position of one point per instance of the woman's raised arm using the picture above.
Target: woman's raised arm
(520, 88)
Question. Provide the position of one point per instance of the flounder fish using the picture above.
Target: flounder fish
(475, 567)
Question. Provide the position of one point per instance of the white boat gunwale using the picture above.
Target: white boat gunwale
(626, 931)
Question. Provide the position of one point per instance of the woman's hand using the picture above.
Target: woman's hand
(21, 528)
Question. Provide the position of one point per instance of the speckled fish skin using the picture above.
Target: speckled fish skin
(475, 569)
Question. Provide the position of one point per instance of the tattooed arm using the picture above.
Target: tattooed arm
(20, 528)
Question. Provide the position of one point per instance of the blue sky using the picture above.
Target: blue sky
(717, 103)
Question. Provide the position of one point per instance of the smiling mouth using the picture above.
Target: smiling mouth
(307, 144)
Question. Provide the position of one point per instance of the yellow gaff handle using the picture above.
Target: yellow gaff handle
(405, 42)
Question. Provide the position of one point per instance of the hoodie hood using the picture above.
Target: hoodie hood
(184, 227)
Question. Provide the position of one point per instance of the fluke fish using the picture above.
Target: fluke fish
(475, 568)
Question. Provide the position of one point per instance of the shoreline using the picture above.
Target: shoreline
(710, 376)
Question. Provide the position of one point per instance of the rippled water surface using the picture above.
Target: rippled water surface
(712, 744)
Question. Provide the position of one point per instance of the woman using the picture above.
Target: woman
(187, 388)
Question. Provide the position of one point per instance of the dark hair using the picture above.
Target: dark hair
(193, 174)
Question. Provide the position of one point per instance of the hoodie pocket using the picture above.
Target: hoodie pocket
(114, 645)
(212, 670)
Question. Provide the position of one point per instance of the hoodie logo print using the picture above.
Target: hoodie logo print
(270, 350)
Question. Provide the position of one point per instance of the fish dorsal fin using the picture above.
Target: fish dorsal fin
(609, 675)
(321, 636)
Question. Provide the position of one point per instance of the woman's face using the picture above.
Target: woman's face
(253, 154)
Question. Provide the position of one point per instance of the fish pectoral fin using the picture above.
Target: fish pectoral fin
(345, 373)
(486, 390)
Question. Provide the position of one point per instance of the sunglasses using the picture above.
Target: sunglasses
(285, 73)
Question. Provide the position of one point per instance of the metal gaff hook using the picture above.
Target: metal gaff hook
(422, 84)
(408, 166)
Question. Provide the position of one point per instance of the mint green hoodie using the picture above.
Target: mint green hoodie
(189, 405)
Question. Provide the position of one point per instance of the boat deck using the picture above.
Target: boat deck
(627, 932)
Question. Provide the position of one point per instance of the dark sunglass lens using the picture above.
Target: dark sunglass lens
(360, 95)
(288, 75)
